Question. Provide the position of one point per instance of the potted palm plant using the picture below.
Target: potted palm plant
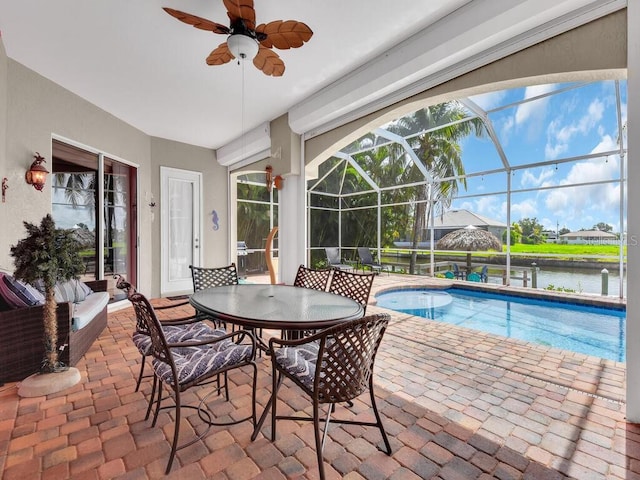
(48, 254)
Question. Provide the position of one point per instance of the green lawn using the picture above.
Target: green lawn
(557, 251)
(569, 250)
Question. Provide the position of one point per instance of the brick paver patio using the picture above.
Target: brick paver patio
(457, 404)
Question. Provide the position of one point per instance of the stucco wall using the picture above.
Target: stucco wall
(4, 212)
(34, 109)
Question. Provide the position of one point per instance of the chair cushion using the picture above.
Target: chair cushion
(182, 333)
(299, 361)
(201, 362)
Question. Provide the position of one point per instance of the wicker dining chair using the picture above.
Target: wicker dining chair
(207, 277)
(356, 286)
(333, 366)
(183, 365)
(312, 278)
(176, 329)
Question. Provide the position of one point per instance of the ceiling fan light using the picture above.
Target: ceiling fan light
(242, 46)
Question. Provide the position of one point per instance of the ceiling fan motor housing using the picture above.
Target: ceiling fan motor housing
(242, 46)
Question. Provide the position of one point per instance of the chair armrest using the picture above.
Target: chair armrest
(173, 305)
(300, 341)
(181, 320)
(198, 343)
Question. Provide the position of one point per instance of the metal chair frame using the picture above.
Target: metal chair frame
(484, 274)
(141, 327)
(163, 357)
(334, 261)
(129, 290)
(459, 274)
(356, 286)
(343, 370)
(315, 279)
(209, 277)
(366, 260)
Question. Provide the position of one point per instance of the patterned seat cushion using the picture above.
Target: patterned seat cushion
(195, 363)
(299, 361)
(182, 333)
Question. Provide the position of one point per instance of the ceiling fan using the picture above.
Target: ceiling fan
(245, 40)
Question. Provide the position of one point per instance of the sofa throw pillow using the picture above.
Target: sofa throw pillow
(8, 297)
(28, 294)
(70, 291)
(85, 288)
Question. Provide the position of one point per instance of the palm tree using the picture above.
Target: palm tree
(48, 254)
(440, 153)
(385, 170)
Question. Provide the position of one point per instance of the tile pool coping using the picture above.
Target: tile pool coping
(614, 303)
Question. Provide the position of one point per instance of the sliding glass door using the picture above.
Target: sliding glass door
(91, 190)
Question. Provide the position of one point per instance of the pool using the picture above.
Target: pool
(585, 329)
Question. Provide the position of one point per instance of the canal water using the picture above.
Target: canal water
(579, 279)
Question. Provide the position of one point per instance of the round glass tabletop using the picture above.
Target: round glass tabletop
(275, 306)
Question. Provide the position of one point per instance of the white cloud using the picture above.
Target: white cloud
(489, 206)
(535, 109)
(466, 205)
(528, 208)
(552, 152)
(584, 205)
(530, 180)
(606, 144)
(559, 137)
(549, 224)
(505, 127)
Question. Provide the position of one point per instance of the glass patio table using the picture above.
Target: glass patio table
(275, 307)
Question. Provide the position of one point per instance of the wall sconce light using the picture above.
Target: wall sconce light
(5, 187)
(269, 177)
(271, 181)
(37, 174)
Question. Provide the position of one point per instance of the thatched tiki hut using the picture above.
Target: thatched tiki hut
(469, 239)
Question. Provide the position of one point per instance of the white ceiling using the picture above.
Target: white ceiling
(143, 66)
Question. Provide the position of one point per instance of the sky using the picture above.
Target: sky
(573, 122)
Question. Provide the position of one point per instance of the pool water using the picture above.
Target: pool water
(584, 329)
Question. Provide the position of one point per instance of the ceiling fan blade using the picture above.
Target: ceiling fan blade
(220, 55)
(284, 34)
(198, 22)
(241, 9)
(269, 62)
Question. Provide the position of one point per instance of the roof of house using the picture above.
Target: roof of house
(461, 218)
(588, 233)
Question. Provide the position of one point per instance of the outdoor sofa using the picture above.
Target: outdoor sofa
(80, 322)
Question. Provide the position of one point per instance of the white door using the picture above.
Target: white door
(181, 230)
